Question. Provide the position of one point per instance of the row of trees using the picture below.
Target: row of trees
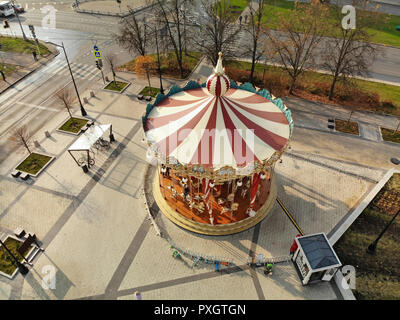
(300, 44)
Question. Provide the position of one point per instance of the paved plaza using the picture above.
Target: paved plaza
(99, 240)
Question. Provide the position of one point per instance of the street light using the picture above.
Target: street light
(372, 247)
(23, 269)
(83, 111)
(19, 21)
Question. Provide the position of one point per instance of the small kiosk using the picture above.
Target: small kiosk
(315, 259)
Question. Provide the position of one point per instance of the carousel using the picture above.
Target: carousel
(215, 146)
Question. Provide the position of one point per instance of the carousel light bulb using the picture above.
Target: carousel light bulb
(263, 176)
(211, 185)
(239, 183)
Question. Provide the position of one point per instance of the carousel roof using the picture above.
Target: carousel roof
(217, 124)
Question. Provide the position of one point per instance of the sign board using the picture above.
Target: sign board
(96, 48)
(31, 27)
(97, 54)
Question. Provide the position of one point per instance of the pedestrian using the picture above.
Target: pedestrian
(34, 55)
(138, 295)
(2, 74)
(245, 18)
(240, 19)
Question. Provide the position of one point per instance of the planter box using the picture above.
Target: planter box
(70, 132)
(41, 169)
(122, 90)
(26, 256)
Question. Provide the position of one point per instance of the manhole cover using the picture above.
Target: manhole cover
(395, 160)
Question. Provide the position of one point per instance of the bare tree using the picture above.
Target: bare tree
(219, 32)
(169, 15)
(67, 99)
(351, 52)
(303, 30)
(256, 31)
(111, 60)
(20, 137)
(133, 34)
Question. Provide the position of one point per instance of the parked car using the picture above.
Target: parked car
(6, 9)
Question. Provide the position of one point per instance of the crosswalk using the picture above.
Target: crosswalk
(79, 70)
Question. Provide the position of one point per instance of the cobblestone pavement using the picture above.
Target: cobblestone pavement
(101, 245)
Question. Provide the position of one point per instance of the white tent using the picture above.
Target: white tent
(89, 138)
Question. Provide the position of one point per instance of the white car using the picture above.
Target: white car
(6, 9)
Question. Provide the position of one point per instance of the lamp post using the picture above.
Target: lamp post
(372, 247)
(19, 21)
(83, 111)
(24, 270)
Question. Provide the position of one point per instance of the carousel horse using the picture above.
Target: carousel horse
(174, 192)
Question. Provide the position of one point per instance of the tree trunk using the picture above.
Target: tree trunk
(26, 145)
(292, 85)
(332, 90)
(148, 79)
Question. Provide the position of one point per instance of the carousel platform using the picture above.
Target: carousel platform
(184, 218)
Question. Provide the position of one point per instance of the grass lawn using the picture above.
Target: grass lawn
(346, 127)
(21, 46)
(7, 69)
(33, 163)
(73, 125)
(116, 86)
(169, 66)
(150, 91)
(383, 30)
(7, 264)
(236, 7)
(390, 135)
(317, 84)
(377, 276)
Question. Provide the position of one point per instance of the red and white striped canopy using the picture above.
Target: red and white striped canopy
(196, 127)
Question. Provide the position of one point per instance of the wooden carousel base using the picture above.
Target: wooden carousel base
(208, 229)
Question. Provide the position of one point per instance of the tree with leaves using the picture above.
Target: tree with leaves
(219, 32)
(145, 66)
(351, 52)
(111, 60)
(66, 99)
(303, 29)
(133, 34)
(21, 137)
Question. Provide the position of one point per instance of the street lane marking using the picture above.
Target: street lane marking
(37, 107)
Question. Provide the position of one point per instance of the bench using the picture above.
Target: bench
(19, 232)
(24, 176)
(15, 173)
(147, 98)
(140, 97)
(84, 128)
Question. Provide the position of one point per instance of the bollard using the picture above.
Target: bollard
(107, 79)
(36, 143)
(91, 94)
(85, 100)
(47, 134)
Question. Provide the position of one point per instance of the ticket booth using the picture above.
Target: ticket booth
(315, 259)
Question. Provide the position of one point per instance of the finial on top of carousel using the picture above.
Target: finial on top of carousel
(218, 83)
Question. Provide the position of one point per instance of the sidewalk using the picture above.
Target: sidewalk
(25, 65)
